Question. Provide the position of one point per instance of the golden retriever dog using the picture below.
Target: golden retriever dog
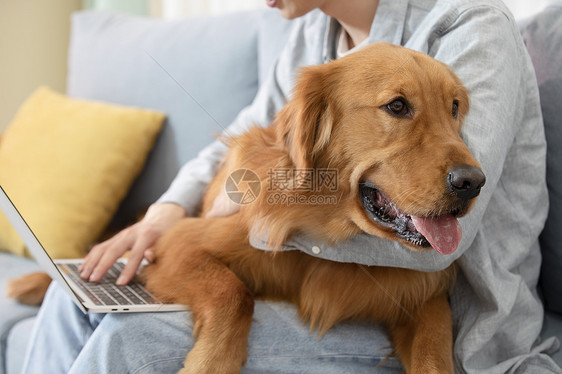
(388, 120)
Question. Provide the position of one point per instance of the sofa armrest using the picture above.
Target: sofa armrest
(12, 266)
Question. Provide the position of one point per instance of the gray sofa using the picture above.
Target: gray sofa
(200, 72)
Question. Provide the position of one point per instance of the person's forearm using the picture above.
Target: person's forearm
(190, 184)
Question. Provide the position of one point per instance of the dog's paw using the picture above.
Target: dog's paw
(29, 289)
(205, 359)
(198, 370)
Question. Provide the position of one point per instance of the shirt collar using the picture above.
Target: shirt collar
(330, 39)
(342, 46)
(387, 26)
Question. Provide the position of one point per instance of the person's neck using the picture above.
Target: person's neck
(355, 16)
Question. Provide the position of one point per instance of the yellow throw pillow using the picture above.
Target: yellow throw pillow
(67, 164)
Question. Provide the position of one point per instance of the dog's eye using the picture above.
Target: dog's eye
(455, 109)
(398, 107)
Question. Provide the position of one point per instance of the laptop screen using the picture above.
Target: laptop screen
(33, 244)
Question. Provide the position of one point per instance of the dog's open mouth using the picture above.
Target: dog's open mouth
(443, 232)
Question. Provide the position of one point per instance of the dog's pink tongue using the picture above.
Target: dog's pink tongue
(443, 232)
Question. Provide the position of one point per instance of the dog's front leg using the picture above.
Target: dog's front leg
(187, 271)
(222, 308)
(424, 341)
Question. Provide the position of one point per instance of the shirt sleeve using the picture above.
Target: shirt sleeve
(189, 186)
(482, 46)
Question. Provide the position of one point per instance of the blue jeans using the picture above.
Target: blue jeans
(67, 341)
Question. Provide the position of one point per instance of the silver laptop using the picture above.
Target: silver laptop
(102, 297)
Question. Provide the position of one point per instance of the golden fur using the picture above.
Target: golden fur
(337, 120)
(29, 289)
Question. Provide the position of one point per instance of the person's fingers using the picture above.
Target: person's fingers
(149, 255)
(110, 253)
(133, 263)
(137, 238)
(143, 242)
(92, 258)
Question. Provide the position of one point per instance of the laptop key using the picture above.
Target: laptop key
(116, 293)
(129, 294)
(105, 292)
(80, 283)
(104, 296)
(143, 293)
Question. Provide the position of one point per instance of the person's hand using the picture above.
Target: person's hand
(138, 238)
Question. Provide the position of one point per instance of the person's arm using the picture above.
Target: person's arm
(188, 187)
(482, 47)
(185, 194)
(182, 199)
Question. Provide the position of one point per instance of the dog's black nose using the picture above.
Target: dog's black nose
(465, 181)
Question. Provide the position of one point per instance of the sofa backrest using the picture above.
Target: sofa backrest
(199, 71)
(202, 71)
(543, 38)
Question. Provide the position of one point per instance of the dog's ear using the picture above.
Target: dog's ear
(304, 125)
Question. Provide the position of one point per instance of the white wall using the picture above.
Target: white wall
(34, 37)
(526, 8)
(172, 9)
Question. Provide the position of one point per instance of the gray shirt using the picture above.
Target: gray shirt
(497, 314)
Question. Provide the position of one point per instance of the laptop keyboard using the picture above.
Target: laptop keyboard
(106, 292)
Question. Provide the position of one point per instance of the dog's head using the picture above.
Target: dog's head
(388, 119)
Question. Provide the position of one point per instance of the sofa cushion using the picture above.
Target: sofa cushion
(552, 326)
(67, 164)
(18, 340)
(199, 71)
(11, 312)
(543, 37)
